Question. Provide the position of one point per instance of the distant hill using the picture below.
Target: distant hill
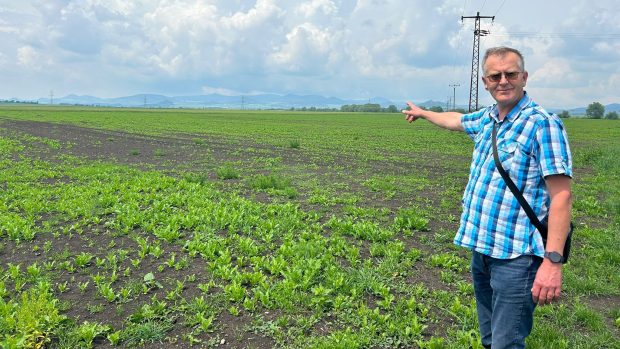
(431, 103)
(217, 101)
(260, 101)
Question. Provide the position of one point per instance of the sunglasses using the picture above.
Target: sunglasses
(510, 76)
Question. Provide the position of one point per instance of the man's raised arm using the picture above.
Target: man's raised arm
(448, 120)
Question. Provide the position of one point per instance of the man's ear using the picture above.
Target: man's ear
(525, 75)
(484, 81)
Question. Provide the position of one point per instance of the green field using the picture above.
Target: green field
(260, 229)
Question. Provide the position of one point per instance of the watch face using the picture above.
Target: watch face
(554, 256)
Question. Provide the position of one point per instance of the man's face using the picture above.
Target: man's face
(504, 79)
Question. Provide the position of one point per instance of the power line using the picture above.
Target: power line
(541, 35)
(459, 47)
(500, 7)
(464, 8)
(484, 3)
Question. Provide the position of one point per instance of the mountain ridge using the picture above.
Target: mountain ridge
(254, 101)
(216, 101)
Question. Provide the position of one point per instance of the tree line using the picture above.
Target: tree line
(369, 108)
(594, 110)
(354, 108)
(376, 108)
(13, 101)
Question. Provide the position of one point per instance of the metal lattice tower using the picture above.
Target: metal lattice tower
(475, 59)
(454, 86)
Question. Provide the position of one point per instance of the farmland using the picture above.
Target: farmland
(255, 229)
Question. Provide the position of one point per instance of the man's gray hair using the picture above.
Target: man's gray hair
(502, 51)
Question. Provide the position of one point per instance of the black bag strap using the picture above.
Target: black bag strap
(513, 188)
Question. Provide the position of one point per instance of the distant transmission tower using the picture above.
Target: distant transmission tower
(473, 91)
(51, 96)
(454, 86)
(242, 102)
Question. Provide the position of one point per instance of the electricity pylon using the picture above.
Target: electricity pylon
(473, 90)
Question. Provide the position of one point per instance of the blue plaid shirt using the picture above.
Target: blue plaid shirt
(532, 144)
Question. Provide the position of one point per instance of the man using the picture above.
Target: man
(511, 268)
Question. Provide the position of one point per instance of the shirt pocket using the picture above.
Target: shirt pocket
(481, 140)
(517, 160)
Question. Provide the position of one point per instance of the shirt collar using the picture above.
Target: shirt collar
(514, 112)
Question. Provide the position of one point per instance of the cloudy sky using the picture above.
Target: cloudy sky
(397, 49)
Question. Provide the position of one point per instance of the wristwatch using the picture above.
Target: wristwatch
(554, 257)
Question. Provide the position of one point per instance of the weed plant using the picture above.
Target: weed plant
(271, 181)
(227, 172)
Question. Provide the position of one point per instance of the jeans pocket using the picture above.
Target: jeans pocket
(510, 275)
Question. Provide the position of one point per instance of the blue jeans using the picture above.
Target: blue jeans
(503, 289)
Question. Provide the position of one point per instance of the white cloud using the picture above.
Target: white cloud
(612, 49)
(316, 7)
(307, 48)
(613, 84)
(263, 11)
(8, 30)
(27, 56)
(398, 49)
(222, 91)
(556, 72)
(229, 92)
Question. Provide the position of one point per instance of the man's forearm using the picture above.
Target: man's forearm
(548, 282)
(447, 120)
(559, 221)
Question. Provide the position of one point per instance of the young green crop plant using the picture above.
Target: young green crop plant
(449, 261)
(114, 338)
(83, 259)
(204, 323)
(34, 271)
(411, 220)
(235, 292)
(63, 287)
(82, 286)
(107, 292)
(233, 310)
(13, 270)
(87, 332)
